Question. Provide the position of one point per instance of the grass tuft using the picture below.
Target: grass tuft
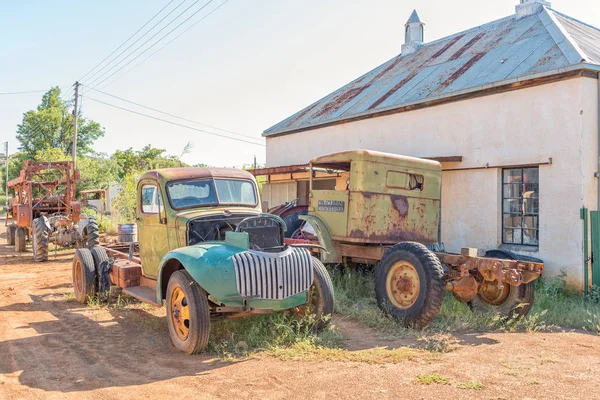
(473, 385)
(429, 379)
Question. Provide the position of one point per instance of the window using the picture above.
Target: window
(236, 192)
(151, 200)
(404, 180)
(206, 192)
(520, 206)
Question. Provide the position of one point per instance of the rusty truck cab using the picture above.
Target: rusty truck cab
(379, 198)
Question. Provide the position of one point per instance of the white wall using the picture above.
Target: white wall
(526, 126)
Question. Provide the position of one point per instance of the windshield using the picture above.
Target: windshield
(206, 192)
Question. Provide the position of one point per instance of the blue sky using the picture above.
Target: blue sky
(246, 67)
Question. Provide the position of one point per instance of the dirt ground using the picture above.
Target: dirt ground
(51, 347)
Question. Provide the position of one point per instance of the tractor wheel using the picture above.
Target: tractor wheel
(84, 275)
(91, 234)
(320, 302)
(188, 313)
(20, 240)
(409, 284)
(508, 302)
(40, 240)
(10, 234)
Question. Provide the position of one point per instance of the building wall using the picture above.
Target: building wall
(527, 126)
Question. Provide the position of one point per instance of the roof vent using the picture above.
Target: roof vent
(530, 7)
(414, 32)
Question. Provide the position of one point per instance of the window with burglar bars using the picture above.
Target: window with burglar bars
(520, 206)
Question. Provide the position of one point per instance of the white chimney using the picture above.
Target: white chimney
(530, 7)
(414, 34)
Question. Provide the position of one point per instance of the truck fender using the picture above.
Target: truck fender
(333, 252)
(210, 267)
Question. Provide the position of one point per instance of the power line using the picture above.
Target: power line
(168, 43)
(137, 40)
(130, 37)
(174, 123)
(151, 37)
(24, 92)
(172, 115)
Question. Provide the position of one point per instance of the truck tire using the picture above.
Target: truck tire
(188, 313)
(509, 302)
(102, 276)
(409, 284)
(84, 275)
(20, 240)
(91, 234)
(320, 302)
(10, 234)
(40, 240)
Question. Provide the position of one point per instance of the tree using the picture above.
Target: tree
(52, 126)
(132, 161)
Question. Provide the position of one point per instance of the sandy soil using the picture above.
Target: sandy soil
(51, 347)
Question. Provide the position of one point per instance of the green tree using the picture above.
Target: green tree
(132, 161)
(51, 126)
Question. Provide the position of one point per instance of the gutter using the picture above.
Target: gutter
(473, 90)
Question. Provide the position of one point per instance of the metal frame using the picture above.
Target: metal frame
(522, 213)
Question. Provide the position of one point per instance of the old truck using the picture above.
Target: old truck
(206, 248)
(384, 211)
(45, 211)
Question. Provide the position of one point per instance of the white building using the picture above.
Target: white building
(514, 104)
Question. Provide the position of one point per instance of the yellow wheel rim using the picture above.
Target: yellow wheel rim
(180, 313)
(403, 285)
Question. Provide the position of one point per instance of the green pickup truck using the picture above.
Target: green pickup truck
(208, 251)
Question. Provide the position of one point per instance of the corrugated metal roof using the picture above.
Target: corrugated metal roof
(503, 49)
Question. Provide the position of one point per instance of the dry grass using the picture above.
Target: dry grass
(473, 385)
(433, 378)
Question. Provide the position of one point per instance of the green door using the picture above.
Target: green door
(152, 233)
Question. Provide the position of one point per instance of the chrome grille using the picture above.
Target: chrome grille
(273, 276)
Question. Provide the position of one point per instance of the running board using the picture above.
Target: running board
(143, 293)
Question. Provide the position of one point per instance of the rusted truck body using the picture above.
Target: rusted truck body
(384, 211)
(207, 250)
(44, 209)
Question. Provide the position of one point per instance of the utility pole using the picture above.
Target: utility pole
(75, 114)
(254, 162)
(6, 189)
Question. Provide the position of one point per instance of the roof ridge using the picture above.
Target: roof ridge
(468, 30)
(573, 19)
(561, 31)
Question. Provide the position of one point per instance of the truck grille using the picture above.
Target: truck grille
(273, 276)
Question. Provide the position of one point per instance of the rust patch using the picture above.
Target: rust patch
(467, 46)
(401, 204)
(446, 47)
(391, 238)
(341, 100)
(394, 89)
(458, 73)
(301, 114)
(346, 97)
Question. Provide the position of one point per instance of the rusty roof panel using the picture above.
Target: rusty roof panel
(504, 49)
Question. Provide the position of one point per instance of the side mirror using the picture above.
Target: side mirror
(265, 206)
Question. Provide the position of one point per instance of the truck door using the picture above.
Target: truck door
(152, 231)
